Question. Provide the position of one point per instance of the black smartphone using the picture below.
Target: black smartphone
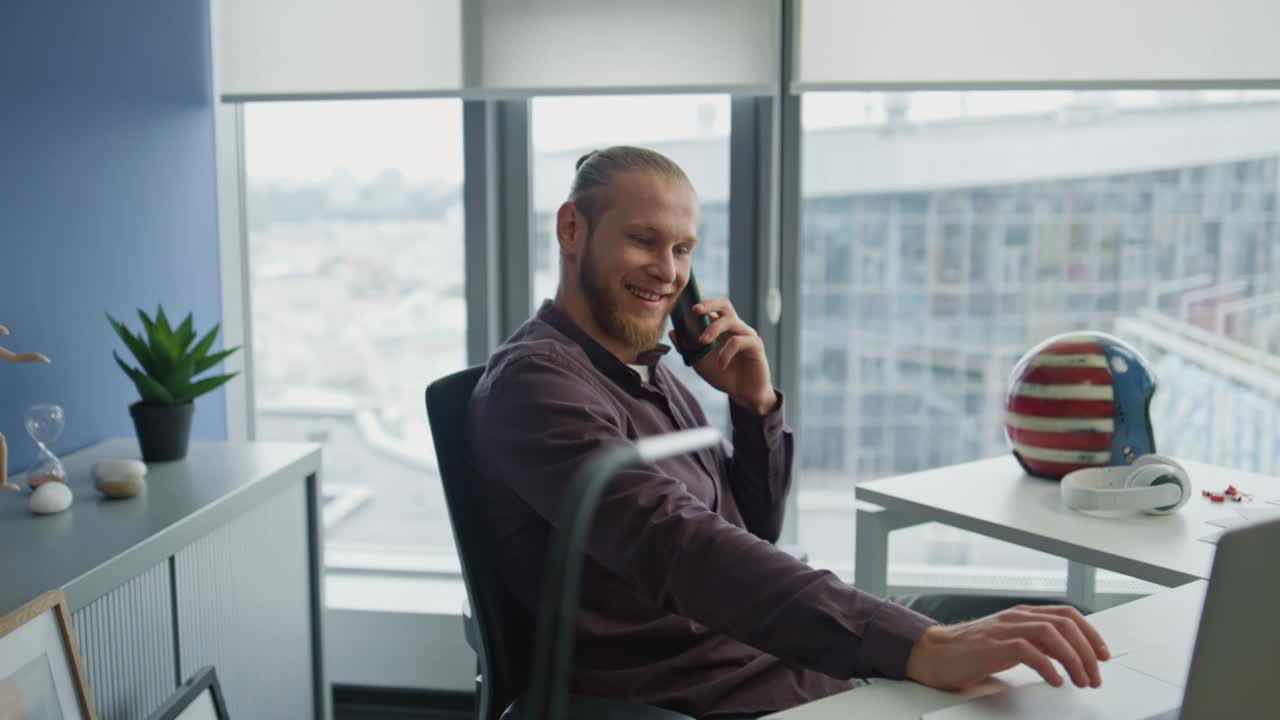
(689, 325)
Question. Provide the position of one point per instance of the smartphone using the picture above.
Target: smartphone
(689, 325)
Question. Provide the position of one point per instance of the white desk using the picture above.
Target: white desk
(1153, 636)
(996, 498)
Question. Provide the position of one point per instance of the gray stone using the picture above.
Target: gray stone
(119, 478)
(122, 487)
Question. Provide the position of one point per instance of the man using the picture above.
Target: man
(686, 603)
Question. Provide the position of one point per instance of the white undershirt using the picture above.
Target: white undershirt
(642, 369)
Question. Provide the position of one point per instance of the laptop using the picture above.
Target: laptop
(1235, 662)
(1235, 667)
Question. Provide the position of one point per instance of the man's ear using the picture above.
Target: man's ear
(571, 229)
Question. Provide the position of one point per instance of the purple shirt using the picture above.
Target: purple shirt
(686, 603)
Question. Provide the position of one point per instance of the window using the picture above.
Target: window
(1008, 217)
(692, 130)
(356, 272)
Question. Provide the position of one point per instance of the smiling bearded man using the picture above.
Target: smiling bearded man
(686, 603)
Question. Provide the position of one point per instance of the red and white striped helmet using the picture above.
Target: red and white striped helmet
(1079, 400)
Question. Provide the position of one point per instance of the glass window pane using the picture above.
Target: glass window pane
(966, 227)
(356, 273)
(692, 130)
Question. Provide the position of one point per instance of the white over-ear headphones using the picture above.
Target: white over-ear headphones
(1154, 484)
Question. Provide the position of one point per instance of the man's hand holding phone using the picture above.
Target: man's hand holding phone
(737, 365)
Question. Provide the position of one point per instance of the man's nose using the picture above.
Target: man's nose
(664, 267)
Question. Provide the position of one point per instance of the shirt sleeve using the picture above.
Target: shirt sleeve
(758, 468)
(540, 422)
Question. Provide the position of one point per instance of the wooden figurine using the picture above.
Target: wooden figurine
(10, 356)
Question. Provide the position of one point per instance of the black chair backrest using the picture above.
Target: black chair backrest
(505, 633)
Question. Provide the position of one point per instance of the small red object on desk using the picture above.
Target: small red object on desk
(1230, 492)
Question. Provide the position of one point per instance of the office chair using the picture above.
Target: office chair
(547, 698)
(502, 633)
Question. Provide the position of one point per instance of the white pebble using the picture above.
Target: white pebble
(50, 498)
(119, 469)
(119, 478)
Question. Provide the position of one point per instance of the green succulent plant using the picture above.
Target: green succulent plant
(169, 360)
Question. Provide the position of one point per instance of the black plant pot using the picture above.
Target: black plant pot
(163, 430)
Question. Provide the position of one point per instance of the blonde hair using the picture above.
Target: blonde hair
(596, 169)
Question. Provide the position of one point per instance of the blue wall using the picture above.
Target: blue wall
(107, 201)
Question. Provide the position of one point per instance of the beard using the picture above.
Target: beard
(607, 308)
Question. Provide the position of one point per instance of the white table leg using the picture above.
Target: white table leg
(1082, 585)
(871, 545)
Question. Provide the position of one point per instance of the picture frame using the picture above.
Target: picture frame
(199, 698)
(41, 671)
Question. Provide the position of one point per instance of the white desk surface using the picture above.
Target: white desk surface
(996, 498)
(1152, 636)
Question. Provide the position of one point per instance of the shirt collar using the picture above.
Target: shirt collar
(605, 361)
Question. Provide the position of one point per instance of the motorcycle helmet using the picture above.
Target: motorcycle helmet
(1079, 400)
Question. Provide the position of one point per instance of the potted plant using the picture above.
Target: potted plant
(166, 381)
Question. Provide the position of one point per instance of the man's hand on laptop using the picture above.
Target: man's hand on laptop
(954, 657)
(738, 366)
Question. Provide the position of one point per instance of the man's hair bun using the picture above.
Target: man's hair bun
(583, 159)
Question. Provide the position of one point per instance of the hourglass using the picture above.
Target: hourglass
(13, 357)
(44, 424)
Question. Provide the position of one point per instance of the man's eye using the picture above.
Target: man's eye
(683, 251)
(642, 240)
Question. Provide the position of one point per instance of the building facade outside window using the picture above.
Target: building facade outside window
(945, 233)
